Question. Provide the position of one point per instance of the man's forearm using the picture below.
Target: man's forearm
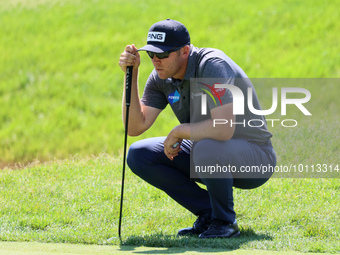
(135, 110)
(203, 130)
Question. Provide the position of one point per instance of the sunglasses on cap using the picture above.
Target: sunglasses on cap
(163, 54)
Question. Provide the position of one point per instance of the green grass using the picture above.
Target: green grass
(35, 248)
(77, 201)
(61, 86)
(60, 98)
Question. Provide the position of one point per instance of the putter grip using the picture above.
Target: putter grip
(128, 85)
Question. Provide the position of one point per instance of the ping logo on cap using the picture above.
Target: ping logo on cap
(156, 37)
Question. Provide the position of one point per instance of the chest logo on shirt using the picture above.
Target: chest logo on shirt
(215, 92)
(173, 97)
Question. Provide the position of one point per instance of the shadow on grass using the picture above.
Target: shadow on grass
(193, 243)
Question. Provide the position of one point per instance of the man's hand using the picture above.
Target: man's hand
(172, 143)
(171, 150)
(130, 57)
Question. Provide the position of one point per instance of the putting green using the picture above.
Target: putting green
(34, 248)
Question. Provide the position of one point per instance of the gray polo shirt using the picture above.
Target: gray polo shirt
(209, 66)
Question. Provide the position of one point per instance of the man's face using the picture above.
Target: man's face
(173, 66)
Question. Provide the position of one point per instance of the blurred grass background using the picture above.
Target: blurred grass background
(61, 86)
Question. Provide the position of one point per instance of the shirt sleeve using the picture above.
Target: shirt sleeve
(217, 71)
(153, 95)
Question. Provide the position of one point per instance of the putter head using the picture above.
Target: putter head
(111, 239)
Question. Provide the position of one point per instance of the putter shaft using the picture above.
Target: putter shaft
(127, 103)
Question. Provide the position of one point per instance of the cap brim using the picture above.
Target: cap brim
(155, 48)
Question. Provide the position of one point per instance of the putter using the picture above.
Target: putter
(127, 103)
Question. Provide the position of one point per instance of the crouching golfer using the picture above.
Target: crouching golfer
(165, 162)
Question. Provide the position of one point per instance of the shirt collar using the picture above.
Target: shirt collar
(190, 72)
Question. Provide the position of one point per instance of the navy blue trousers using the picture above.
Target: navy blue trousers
(146, 159)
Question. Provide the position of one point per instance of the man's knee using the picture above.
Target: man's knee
(133, 158)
